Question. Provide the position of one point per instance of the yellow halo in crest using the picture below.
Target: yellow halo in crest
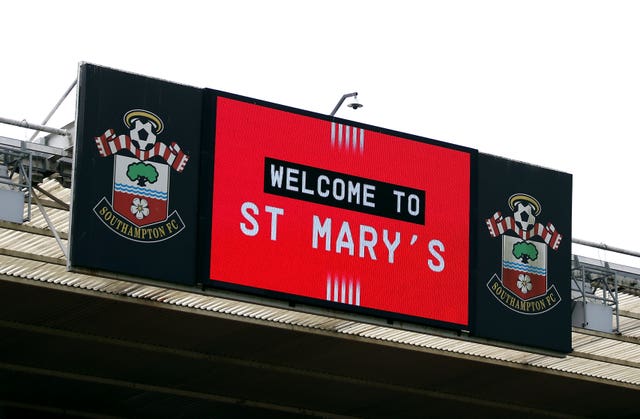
(133, 114)
(526, 198)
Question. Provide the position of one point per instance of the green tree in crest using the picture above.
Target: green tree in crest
(525, 251)
(142, 172)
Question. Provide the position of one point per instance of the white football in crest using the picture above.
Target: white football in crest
(523, 215)
(142, 134)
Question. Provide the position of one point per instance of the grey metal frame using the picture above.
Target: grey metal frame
(595, 284)
(18, 162)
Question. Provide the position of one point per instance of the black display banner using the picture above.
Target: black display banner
(524, 254)
(135, 177)
(342, 190)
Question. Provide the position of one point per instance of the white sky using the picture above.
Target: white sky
(551, 83)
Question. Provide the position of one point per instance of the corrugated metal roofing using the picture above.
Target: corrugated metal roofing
(37, 245)
(630, 327)
(629, 302)
(595, 356)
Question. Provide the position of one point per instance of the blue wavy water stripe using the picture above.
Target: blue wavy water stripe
(523, 267)
(136, 190)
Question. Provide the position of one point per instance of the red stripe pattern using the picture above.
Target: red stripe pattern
(109, 143)
(498, 225)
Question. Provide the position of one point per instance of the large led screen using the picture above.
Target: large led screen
(345, 215)
(200, 187)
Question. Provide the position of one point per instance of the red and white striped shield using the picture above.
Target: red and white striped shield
(140, 190)
(524, 267)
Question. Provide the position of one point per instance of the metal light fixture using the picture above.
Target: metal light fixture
(353, 105)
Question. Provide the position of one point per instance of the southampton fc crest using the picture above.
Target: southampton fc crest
(139, 209)
(524, 285)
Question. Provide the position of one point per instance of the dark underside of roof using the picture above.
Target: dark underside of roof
(69, 353)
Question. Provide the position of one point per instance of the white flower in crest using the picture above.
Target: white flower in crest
(140, 208)
(524, 283)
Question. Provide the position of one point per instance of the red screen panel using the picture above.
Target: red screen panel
(337, 213)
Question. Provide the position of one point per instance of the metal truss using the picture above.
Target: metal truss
(593, 281)
(16, 172)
